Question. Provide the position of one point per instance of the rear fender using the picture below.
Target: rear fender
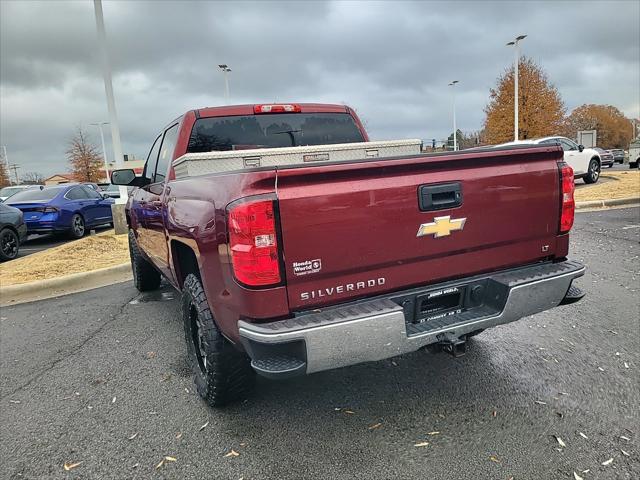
(195, 216)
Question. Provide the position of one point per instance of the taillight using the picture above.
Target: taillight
(46, 209)
(253, 242)
(567, 203)
(282, 108)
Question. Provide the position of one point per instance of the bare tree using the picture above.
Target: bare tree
(32, 178)
(85, 160)
(4, 175)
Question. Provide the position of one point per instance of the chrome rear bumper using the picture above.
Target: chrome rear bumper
(376, 329)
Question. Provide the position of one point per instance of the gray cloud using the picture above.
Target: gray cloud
(390, 61)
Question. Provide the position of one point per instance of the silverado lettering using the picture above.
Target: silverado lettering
(349, 287)
(251, 245)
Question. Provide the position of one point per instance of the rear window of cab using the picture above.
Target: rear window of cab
(272, 130)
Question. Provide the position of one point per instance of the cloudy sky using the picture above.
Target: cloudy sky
(390, 61)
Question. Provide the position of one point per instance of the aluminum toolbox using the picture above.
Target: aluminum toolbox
(193, 164)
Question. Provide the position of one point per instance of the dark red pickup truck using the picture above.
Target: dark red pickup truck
(314, 265)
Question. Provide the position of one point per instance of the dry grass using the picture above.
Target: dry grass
(611, 185)
(89, 253)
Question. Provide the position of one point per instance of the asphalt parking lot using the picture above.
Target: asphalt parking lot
(37, 243)
(100, 379)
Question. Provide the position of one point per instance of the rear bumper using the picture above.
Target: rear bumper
(382, 327)
(45, 227)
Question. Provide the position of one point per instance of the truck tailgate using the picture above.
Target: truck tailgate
(350, 230)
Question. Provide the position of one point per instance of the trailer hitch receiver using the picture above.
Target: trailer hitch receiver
(455, 346)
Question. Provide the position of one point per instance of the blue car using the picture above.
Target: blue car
(69, 208)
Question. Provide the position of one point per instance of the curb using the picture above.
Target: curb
(54, 287)
(608, 203)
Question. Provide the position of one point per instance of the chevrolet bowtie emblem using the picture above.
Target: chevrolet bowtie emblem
(441, 227)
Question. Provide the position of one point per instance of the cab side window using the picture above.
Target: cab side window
(152, 160)
(166, 153)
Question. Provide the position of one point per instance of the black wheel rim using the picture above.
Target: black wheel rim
(78, 226)
(9, 245)
(197, 337)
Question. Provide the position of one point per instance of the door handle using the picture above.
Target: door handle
(439, 197)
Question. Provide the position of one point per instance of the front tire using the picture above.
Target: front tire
(222, 374)
(593, 173)
(9, 245)
(77, 226)
(145, 276)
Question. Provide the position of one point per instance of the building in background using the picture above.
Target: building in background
(130, 161)
(60, 178)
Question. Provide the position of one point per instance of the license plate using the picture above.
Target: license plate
(439, 304)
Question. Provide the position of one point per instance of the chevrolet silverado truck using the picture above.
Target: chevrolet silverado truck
(300, 246)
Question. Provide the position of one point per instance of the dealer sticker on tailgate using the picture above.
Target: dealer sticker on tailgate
(307, 266)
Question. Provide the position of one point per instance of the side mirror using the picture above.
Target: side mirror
(580, 148)
(127, 177)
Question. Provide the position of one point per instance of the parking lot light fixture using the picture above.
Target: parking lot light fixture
(225, 71)
(455, 139)
(516, 43)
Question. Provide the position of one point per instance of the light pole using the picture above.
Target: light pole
(225, 71)
(104, 150)
(455, 139)
(516, 43)
(111, 102)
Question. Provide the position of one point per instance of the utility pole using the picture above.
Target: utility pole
(455, 132)
(225, 71)
(516, 43)
(15, 168)
(111, 103)
(104, 150)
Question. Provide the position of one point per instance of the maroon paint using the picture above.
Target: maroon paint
(361, 220)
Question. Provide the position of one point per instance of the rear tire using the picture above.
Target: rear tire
(78, 228)
(145, 276)
(593, 173)
(222, 374)
(634, 164)
(9, 245)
